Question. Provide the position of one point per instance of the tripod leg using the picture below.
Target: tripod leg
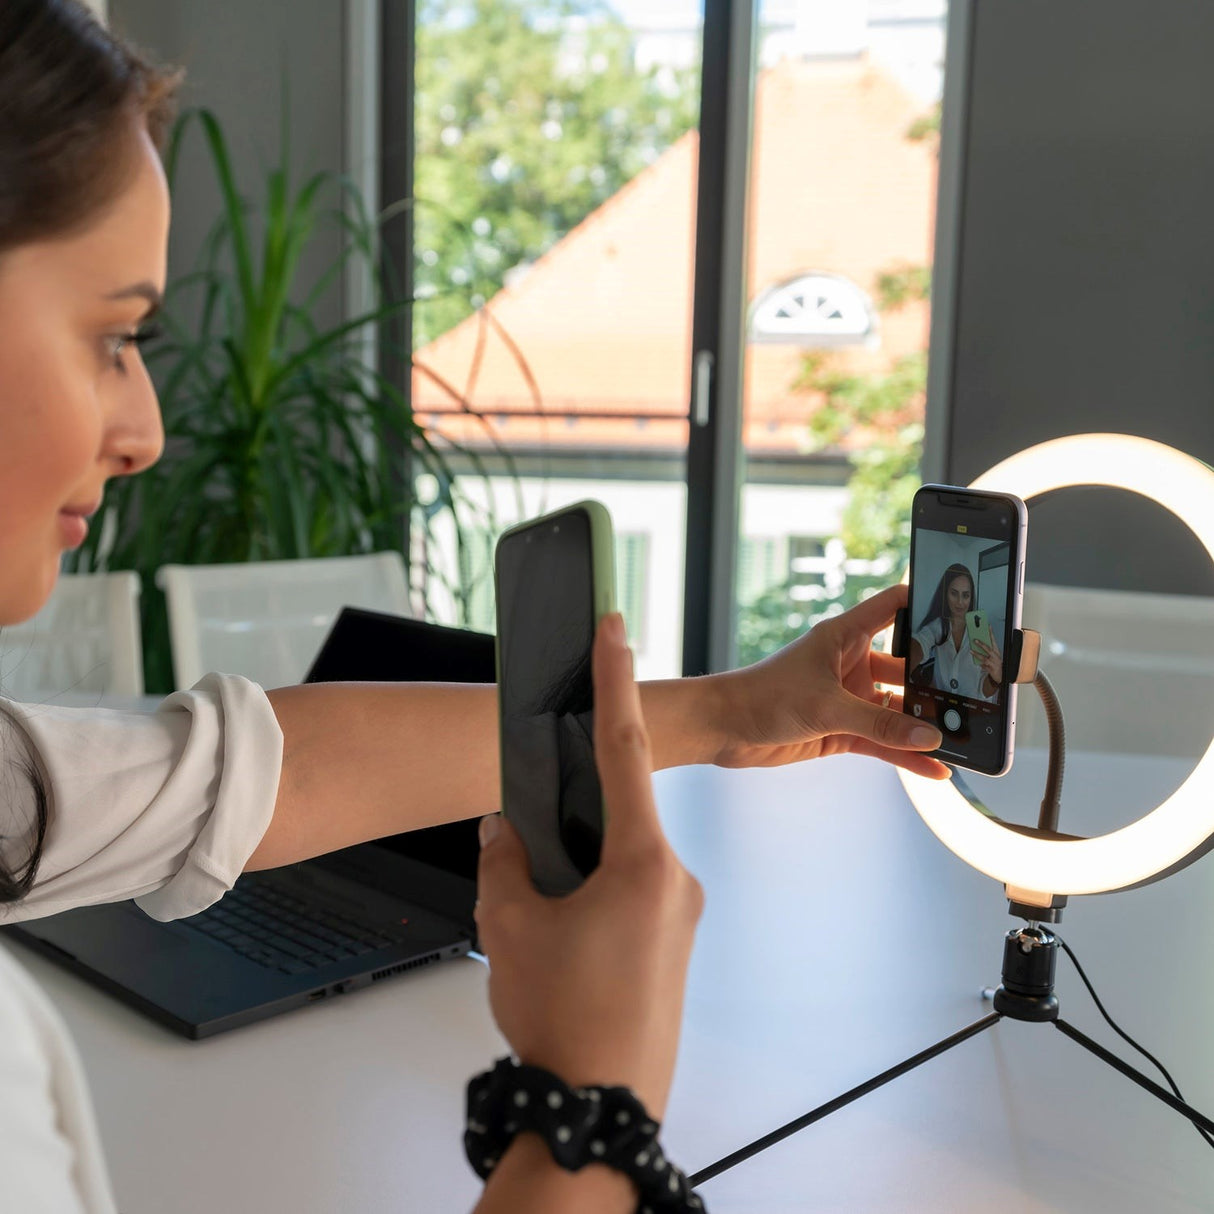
(1138, 1077)
(831, 1106)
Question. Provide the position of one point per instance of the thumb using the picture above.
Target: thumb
(503, 873)
(886, 726)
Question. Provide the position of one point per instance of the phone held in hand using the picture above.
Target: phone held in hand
(966, 589)
(554, 579)
(978, 629)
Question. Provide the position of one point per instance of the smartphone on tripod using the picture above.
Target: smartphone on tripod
(554, 579)
(966, 590)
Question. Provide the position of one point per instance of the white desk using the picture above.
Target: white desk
(839, 938)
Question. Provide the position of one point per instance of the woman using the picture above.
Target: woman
(974, 670)
(169, 808)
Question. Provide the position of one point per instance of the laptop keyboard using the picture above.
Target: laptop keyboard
(282, 932)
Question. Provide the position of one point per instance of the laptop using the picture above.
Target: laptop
(291, 936)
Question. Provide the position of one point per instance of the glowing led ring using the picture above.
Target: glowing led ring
(1182, 828)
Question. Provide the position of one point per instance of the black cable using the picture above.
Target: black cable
(1066, 948)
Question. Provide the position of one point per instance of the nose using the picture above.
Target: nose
(135, 439)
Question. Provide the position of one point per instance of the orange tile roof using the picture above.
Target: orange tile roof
(602, 322)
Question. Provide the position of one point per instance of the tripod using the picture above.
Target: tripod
(1026, 993)
(1030, 953)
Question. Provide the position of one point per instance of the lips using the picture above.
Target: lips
(85, 511)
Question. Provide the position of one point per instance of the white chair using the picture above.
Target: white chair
(1134, 671)
(267, 619)
(86, 638)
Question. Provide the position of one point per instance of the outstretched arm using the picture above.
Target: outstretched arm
(365, 760)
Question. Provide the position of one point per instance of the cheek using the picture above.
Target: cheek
(49, 431)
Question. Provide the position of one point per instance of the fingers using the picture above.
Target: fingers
(621, 743)
(503, 873)
(884, 726)
(877, 611)
(920, 764)
(886, 668)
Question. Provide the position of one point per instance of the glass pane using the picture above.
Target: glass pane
(842, 218)
(555, 207)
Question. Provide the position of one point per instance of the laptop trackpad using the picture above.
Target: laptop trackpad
(155, 960)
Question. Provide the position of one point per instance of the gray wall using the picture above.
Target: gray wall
(237, 54)
(1078, 184)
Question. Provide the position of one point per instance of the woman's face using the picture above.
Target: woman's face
(959, 595)
(76, 404)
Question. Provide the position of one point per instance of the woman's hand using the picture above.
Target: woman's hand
(590, 986)
(818, 696)
(990, 660)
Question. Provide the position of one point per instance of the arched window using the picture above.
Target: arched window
(814, 310)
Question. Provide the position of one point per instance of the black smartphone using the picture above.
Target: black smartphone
(554, 579)
(966, 589)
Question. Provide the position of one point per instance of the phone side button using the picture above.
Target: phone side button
(1021, 590)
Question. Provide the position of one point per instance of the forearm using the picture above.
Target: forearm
(366, 760)
(528, 1179)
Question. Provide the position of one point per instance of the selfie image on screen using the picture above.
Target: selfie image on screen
(551, 791)
(958, 636)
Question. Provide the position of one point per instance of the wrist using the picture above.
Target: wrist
(528, 1177)
(605, 1127)
(686, 719)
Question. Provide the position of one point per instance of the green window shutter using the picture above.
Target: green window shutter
(632, 583)
(762, 564)
(476, 578)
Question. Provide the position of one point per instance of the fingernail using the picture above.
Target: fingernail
(613, 626)
(926, 737)
(490, 828)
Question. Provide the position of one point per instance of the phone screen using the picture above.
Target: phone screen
(545, 628)
(965, 585)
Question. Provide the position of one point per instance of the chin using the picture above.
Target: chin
(25, 597)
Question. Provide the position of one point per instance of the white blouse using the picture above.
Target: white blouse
(956, 668)
(163, 807)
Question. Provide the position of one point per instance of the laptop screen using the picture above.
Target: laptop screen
(370, 647)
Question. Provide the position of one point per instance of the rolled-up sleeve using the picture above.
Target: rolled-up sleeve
(163, 807)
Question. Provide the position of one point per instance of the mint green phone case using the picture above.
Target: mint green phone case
(978, 625)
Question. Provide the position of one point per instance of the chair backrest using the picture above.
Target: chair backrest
(266, 619)
(1134, 671)
(86, 638)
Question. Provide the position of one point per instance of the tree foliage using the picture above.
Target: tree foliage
(529, 115)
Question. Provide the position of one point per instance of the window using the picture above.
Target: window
(555, 160)
(814, 310)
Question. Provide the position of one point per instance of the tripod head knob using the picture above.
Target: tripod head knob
(1030, 955)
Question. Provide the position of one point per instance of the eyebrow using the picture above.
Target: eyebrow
(141, 290)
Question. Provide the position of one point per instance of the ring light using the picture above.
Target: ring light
(1182, 828)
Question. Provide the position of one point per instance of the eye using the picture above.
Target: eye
(116, 343)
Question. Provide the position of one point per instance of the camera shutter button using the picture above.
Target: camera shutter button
(951, 720)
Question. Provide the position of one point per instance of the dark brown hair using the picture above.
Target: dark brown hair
(71, 94)
(938, 607)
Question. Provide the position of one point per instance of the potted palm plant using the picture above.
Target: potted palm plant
(283, 440)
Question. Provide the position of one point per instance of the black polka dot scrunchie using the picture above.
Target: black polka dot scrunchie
(605, 1125)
